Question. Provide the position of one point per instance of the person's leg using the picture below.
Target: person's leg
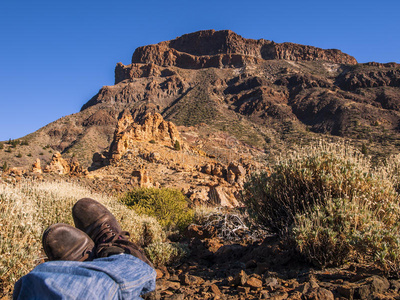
(99, 223)
(116, 277)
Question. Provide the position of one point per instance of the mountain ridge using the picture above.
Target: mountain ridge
(263, 94)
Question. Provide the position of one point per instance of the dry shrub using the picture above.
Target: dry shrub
(309, 177)
(29, 207)
(162, 254)
(333, 203)
(231, 225)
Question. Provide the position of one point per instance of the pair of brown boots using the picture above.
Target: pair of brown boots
(97, 234)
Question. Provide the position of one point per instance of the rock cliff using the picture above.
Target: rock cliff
(205, 49)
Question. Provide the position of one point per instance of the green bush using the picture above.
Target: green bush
(177, 145)
(168, 206)
(1, 146)
(19, 155)
(332, 204)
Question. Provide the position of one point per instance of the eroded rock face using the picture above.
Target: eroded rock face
(152, 127)
(205, 49)
(59, 165)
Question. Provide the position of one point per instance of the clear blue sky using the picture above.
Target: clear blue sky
(55, 55)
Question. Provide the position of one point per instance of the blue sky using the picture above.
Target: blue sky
(55, 55)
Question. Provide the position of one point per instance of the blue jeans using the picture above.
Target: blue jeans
(116, 277)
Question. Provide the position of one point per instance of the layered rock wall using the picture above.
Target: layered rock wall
(225, 48)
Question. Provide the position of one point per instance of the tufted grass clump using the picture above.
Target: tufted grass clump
(330, 201)
(168, 206)
(29, 207)
(162, 254)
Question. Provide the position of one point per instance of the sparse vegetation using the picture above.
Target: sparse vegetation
(28, 208)
(169, 206)
(5, 167)
(152, 141)
(19, 155)
(177, 145)
(332, 204)
(165, 253)
(1, 146)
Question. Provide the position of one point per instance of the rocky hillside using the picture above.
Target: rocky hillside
(229, 102)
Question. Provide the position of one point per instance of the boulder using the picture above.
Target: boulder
(141, 178)
(36, 167)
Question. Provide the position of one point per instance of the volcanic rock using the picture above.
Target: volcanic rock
(152, 127)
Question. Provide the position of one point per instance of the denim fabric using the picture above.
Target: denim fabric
(116, 277)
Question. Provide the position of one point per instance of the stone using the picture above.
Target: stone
(36, 168)
(215, 289)
(230, 177)
(141, 178)
(59, 165)
(346, 291)
(187, 279)
(271, 283)
(254, 283)
(395, 285)
(220, 195)
(279, 296)
(379, 284)
(240, 278)
(159, 273)
(318, 294)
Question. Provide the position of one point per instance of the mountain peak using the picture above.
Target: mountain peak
(210, 48)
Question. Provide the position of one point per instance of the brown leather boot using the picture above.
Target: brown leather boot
(100, 224)
(65, 242)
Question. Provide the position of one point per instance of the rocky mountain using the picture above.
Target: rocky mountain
(229, 102)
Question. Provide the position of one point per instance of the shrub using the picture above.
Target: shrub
(332, 204)
(177, 145)
(161, 254)
(169, 206)
(343, 230)
(308, 178)
(152, 141)
(41, 153)
(5, 167)
(1, 146)
(24, 143)
(19, 155)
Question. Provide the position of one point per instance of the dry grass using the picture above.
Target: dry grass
(28, 208)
